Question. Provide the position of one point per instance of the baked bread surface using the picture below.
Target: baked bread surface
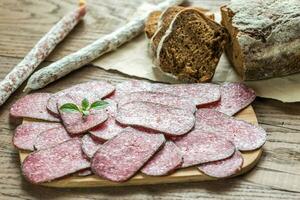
(264, 37)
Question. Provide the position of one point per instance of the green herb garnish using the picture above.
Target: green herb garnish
(85, 106)
(69, 107)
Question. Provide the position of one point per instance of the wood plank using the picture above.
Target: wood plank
(191, 174)
(23, 23)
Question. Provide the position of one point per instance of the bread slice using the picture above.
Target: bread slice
(163, 24)
(191, 46)
(151, 23)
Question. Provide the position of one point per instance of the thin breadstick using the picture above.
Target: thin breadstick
(39, 52)
(89, 53)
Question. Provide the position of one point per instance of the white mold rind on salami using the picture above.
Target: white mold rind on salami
(234, 97)
(25, 134)
(38, 53)
(223, 168)
(100, 88)
(33, 106)
(89, 53)
(56, 162)
(121, 157)
(161, 118)
(89, 145)
(200, 147)
(75, 122)
(165, 161)
(245, 136)
(159, 98)
(50, 138)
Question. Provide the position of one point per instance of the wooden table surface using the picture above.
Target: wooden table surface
(22, 23)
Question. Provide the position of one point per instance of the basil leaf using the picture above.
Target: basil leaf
(99, 105)
(69, 107)
(85, 112)
(85, 104)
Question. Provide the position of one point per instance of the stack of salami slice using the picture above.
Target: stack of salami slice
(150, 128)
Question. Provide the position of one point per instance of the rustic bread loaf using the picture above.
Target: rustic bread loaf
(190, 47)
(264, 37)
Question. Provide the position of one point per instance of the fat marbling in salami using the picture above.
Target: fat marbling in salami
(127, 87)
(245, 136)
(200, 147)
(121, 157)
(33, 106)
(159, 98)
(26, 134)
(90, 145)
(165, 161)
(223, 168)
(51, 138)
(110, 128)
(56, 162)
(234, 97)
(161, 118)
(199, 93)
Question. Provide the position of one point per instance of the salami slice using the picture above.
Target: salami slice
(25, 134)
(107, 130)
(128, 87)
(50, 138)
(110, 128)
(200, 147)
(223, 168)
(159, 98)
(112, 107)
(165, 161)
(33, 106)
(121, 157)
(56, 162)
(244, 135)
(75, 122)
(234, 97)
(161, 118)
(90, 146)
(100, 88)
(199, 93)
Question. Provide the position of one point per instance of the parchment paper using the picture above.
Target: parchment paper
(133, 59)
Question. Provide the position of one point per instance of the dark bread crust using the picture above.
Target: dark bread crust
(254, 52)
(191, 47)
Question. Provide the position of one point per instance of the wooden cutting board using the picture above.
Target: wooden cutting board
(190, 174)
